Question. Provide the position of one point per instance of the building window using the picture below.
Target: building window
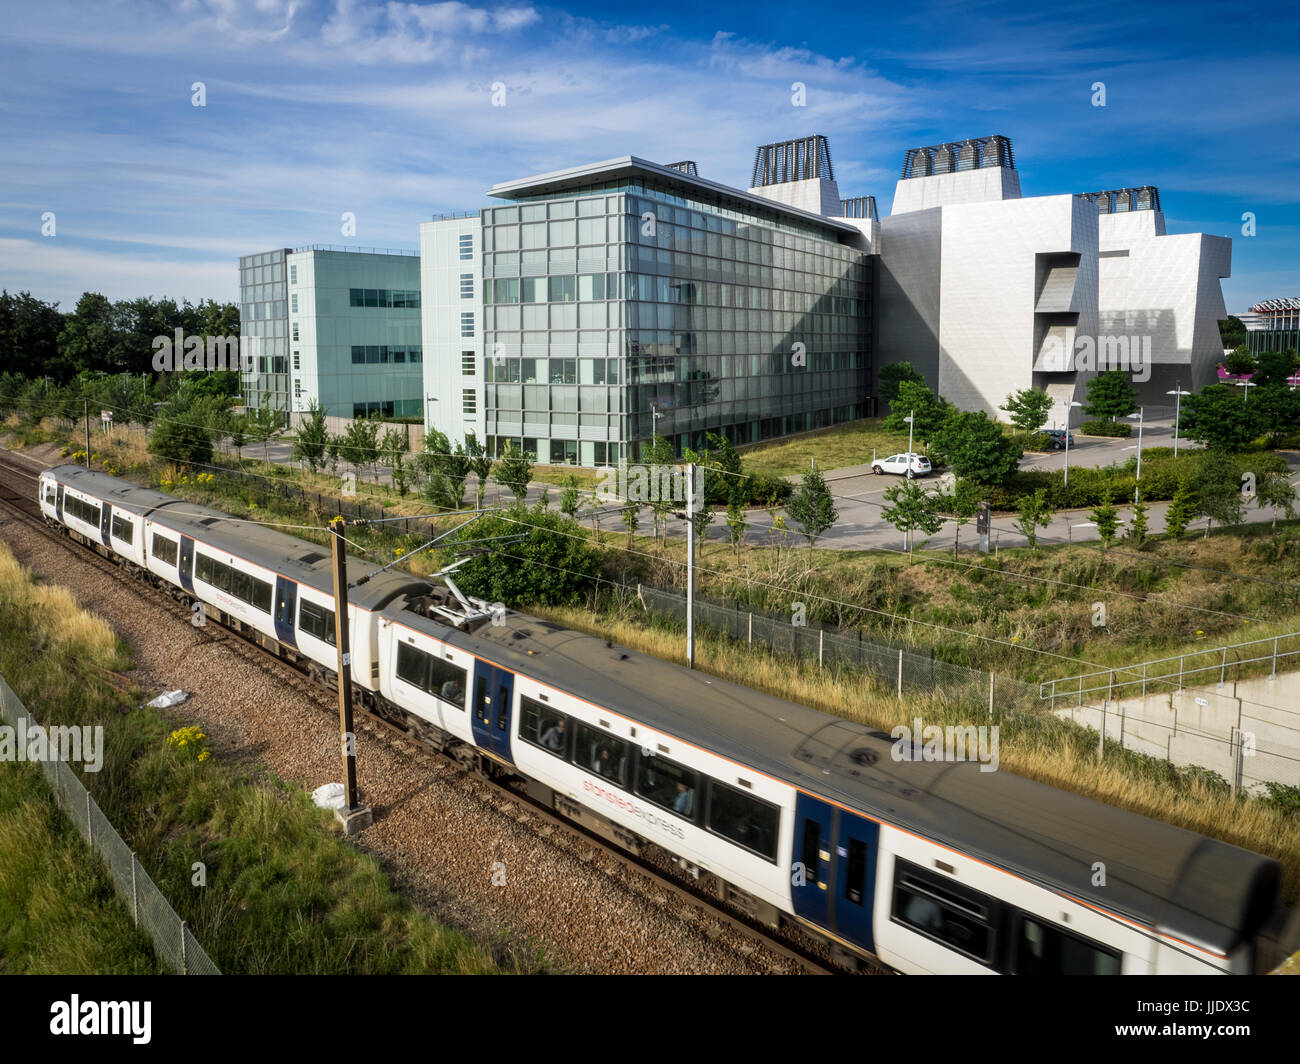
(467, 323)
(466, 246)
(293, 278)
(293, 302)
(297, 389)
(295, 330)
(469, 401)
(467, 363)
(295, 361)
(466, 286)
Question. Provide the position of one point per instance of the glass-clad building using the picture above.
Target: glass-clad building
(264, 329)
(627, 298)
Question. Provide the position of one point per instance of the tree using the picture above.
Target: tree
(1028, 408)
(737, 524)
(812, 506)
(631, 519)
(975, 447)
(1217, 485)
(177, 438)
(910, 508)
(444, 471)
(928, 411)
(1232, 332)
(702, 519)
(1137, 529)
(1106, 518)
(1275, 367)
(265, 424)
(311, 442)
(1240, 361)
(480, 464)
(1111, 396)
(393, 448)
(569, 496)
(515, 471)
(1183, 509)
(553, 566)
(1033, 513)
(1220, 417)
(961, 503)
(29, 335)
(360, 444)
(893, 375)
(1275, 490)
(720, 465)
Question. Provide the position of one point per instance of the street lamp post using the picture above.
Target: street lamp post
(1246, 386)
(1137, 479)
(910, 419)
(1068, 407)
(1178, 394)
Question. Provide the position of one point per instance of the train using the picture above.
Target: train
(792, 816)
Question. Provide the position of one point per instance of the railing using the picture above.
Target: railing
(1164, 675)
(451, 216)
(358, 251)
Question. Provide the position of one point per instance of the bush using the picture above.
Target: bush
(1106, 428)
(768, 490)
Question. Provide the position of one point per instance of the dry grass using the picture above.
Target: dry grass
(65, 627)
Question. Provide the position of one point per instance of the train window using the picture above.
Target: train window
(81, 510)
(243, 586)
(447, 681)
(318, 621)
(599, 752)
(51, 494)
(669, 785)
(1042, 949)
(543, 726)
(962, 919)
(745, 820)
(812, 845)
(855, 876)
(123, 529)
(503, 707)
(481, 700)
(164, 549)
(413, 666)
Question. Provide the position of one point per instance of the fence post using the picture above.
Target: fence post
(135, 894)
(90, 824)
(185, 960)
(751, 628)
(821, 645)
(1223, 667)
(900, 672)
(1273, 675)
(990, 694)
(1180, 671)
(1144, 680)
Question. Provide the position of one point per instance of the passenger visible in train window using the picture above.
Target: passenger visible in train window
(452, 691)
(605, 764)
(923, 913)
(553, 739)
(684, 803)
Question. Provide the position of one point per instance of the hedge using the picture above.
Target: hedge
(1106, 428)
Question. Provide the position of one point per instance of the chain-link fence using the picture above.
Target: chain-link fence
(897, 668)
(150, 910)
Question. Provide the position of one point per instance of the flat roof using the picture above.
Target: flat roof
(559, 181)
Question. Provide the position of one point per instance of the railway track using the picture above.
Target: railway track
(18, 500)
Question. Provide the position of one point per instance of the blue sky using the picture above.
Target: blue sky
(317, 107)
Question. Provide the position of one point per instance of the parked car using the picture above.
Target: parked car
(1057, 436)
(898, 464)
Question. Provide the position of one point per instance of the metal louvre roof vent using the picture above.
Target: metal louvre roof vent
(686, 166)
(312, 557)
(979, 153)
(1122, 200)
(859, 207)
(792, 160)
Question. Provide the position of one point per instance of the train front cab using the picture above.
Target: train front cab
(834, 876)
(492, 705)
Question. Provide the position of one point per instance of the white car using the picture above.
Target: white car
(898, 464)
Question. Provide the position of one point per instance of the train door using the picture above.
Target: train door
(58, 502)
(286, 600)
(811, 868)
(491, 709)
(187, 563)
(105, 521)
(855, 877)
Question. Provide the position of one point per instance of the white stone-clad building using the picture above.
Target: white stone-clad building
(987, 291)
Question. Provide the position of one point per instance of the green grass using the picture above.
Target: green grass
(284, 893)
(834, 448)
